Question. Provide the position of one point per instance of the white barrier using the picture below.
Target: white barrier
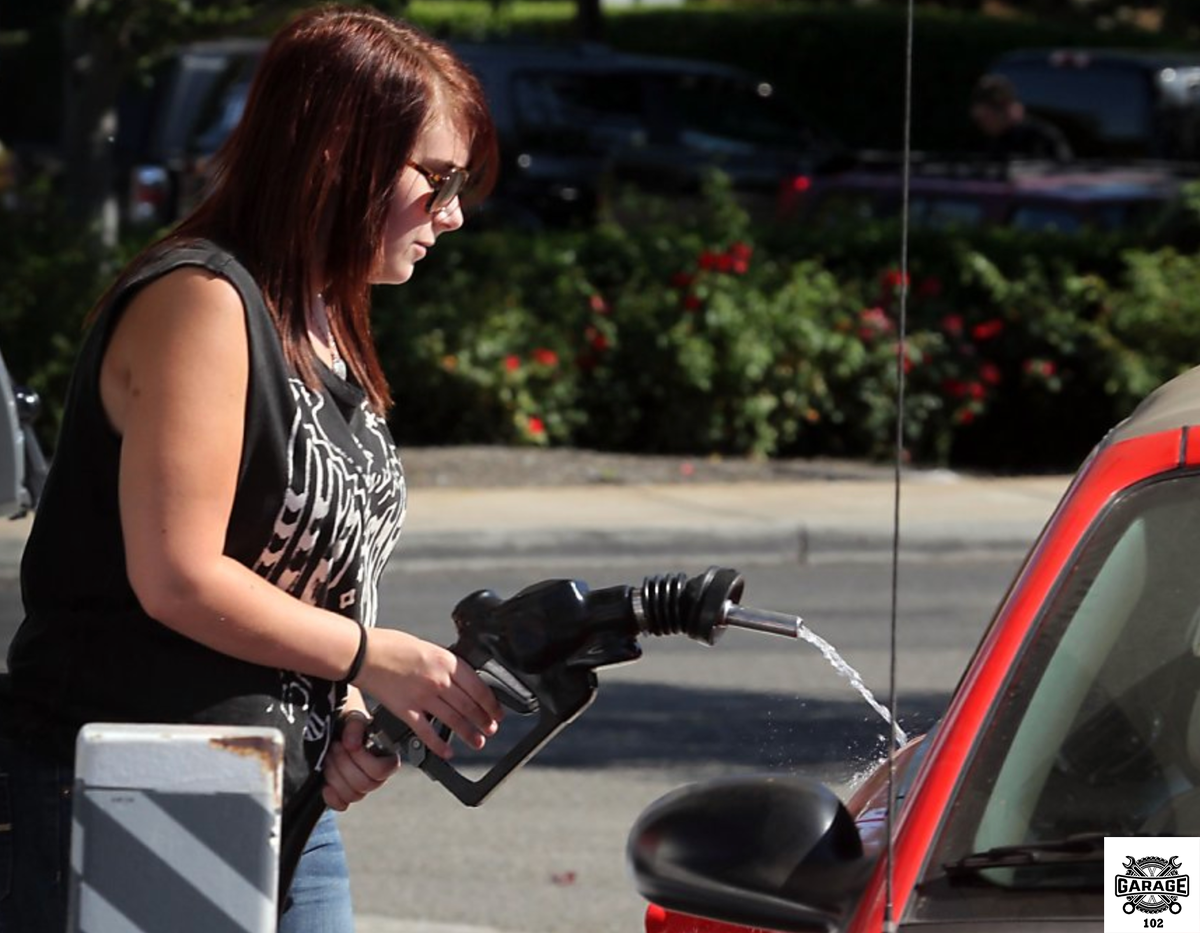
(175, 828)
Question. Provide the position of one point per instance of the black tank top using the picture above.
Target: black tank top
(318, 508)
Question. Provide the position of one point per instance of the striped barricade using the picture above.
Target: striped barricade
(175, 828)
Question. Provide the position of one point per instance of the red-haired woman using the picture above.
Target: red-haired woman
(225, 492)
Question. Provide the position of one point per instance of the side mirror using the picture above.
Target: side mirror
(779, 853)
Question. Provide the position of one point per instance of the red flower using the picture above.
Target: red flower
(692, 303)
(987, 330)
(965, 416)
(955, 388)
(536, 426)
(739, 266)
(709, 259)
(741, 251)
(596, 338)
(892, 279)
(545, 357)
(682, 279)
(930, 287)
(512, 362)
(990, 373)
(598, 304)
(952, 324)
(976, 390)
(1044, 368)
(874, 321)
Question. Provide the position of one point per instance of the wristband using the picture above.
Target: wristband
(359, 656)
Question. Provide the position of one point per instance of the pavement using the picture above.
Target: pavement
(808, 520)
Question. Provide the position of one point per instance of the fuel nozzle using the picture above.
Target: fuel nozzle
(702, 607)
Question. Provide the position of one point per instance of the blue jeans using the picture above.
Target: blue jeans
(35, 837)
(319, 901)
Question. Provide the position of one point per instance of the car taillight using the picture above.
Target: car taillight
(149, 188)
(656, 919)
(791, 191)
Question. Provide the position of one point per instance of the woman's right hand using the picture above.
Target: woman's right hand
(416, 679)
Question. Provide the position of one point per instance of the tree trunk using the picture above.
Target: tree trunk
(91, 83)
(590, 20)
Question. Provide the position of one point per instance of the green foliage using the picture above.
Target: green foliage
(673, 328)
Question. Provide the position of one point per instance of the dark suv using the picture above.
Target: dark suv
(1113, 103)
(576, 120)
(171, 125)
(573, 122)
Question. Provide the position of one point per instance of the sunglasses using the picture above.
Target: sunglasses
(446, 187)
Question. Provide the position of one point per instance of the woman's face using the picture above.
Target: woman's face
(410, 230)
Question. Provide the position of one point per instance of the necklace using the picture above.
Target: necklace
(336, 363)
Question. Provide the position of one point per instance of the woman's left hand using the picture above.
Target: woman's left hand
(352, 772)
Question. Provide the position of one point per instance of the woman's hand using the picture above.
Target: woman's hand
(352, 772)
(416, 679)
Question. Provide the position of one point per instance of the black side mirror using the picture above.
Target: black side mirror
(780, 853)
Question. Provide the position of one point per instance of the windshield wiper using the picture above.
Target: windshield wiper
(1077, 849)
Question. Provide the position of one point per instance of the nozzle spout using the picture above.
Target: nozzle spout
(763, 620)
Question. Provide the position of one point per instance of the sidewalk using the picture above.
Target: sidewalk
(805, 520)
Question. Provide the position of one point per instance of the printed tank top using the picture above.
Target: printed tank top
(318, 508)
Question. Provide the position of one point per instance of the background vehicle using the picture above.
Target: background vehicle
(572, 121)
(170, 126)
(1076, 719)
(1026, 196)
(22, 466)
(1113, 103)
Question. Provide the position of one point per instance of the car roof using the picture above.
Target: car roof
(1172, 406)
(1138, 58)
(586, 56)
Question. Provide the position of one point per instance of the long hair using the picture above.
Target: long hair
(303, 183)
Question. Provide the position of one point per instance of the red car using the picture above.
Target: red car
(1077, 719)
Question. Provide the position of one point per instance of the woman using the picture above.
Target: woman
(225, 492)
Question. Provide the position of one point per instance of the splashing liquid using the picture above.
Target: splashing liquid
(856, 681)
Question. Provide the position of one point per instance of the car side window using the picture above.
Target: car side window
(715, 114)
(605, 108)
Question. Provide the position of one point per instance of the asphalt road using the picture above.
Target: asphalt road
(546, 853)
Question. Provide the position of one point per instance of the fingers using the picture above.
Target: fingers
(352, 772)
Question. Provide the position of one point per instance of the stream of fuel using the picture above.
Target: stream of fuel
(780, 623)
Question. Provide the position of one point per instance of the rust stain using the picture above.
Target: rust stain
(268, 752)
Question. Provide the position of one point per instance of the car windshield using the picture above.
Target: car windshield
(1098, 728)
(1098, 107)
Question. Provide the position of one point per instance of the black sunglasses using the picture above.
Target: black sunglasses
(446, 187)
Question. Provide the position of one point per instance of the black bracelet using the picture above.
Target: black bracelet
(359, 656)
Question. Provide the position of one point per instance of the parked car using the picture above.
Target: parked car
(170, 125)
(1078, 718)
(1026, 196)
(572, 120)
(22, 465)
(576, 120)
(1113, 103)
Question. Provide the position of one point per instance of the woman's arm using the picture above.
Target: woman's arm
(173, 384)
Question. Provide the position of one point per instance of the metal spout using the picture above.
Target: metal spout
(762, 620)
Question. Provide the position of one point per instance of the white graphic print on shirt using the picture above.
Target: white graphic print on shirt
(339, 521)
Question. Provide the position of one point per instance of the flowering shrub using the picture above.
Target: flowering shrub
(690, 331)
(700, 334)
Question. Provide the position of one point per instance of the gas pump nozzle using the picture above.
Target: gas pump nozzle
(539, 651)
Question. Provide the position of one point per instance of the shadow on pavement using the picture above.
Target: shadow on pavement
(632, 725)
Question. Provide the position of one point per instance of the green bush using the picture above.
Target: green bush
(690, 331)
